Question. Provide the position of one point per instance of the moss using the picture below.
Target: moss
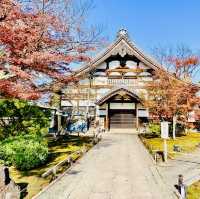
(194, 191)
(188, 143)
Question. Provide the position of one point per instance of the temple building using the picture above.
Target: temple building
(111, 85)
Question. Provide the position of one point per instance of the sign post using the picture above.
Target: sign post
(165, 136)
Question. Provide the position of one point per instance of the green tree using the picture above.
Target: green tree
(19, 117)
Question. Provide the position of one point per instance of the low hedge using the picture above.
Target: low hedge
(24, 152)
(155, 129)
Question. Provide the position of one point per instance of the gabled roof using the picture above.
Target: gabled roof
(122, 45)
(115, 92)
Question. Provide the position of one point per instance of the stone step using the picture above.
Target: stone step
(123, 131)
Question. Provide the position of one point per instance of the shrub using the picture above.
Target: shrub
(155, 129)
(24, 152)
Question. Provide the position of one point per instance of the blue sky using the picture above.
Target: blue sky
(151, 22)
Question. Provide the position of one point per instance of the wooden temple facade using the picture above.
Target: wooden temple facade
(111, 85)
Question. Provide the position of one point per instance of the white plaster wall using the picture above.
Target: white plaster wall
(102, 92)
(145, 74)
(101, 66)
(100, 81)
(114, 74)
(143, 66)
(100, 73)
(147, 79)
(114, 64)
(130, 74)
(84, 81)
(131, 64)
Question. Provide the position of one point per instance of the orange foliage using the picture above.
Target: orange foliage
(35, 43)
(169, 96)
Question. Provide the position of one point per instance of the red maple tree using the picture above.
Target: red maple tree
(171, 98)
(39, 42)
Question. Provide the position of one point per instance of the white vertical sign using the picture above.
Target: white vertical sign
(164, 130)
(165, 136)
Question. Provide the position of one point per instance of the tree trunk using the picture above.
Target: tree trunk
(59, 122)
(174, 127)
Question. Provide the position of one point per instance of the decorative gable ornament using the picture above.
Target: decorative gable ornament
(122, 32)
(122, 49)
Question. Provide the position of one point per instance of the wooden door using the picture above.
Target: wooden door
(122, 119)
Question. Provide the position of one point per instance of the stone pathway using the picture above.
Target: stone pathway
(119, 167)
(187, 164)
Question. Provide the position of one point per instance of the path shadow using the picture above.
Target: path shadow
(23, 189)
(104, 144)
(73, 172)
(188, 161)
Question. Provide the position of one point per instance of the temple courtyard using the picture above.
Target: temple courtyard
(117, 167)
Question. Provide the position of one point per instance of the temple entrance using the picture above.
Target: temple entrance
(119, 108)
(122, 119)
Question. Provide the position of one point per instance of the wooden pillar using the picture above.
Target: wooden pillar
(52, 122)
(88, 100)
(137, 120)
(107, 117)
(59, 121)
(88, 93)
(78, 97)
(59, 111)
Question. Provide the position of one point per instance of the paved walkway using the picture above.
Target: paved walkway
(188, 165)
(119, 167)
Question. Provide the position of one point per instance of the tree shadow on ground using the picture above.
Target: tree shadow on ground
(23, 189)
(104, 144)
(65, 140)
(57, 148)
(40, 170)
(188, 161)
(149, 135)
(153, 135)
(73, 172)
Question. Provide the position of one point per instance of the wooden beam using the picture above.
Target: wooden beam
(125, 70)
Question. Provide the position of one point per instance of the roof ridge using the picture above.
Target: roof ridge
(111, 46)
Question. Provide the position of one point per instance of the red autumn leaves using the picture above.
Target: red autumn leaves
(34, 43)
(169, 97)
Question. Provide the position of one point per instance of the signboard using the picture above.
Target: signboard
(164, 130)
(143, 113)
(121, 106)
(122, 82)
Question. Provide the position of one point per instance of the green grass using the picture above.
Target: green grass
(194, 191)
(188, 143)
(59, 150)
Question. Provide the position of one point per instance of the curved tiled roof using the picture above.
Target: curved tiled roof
(111, 93)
